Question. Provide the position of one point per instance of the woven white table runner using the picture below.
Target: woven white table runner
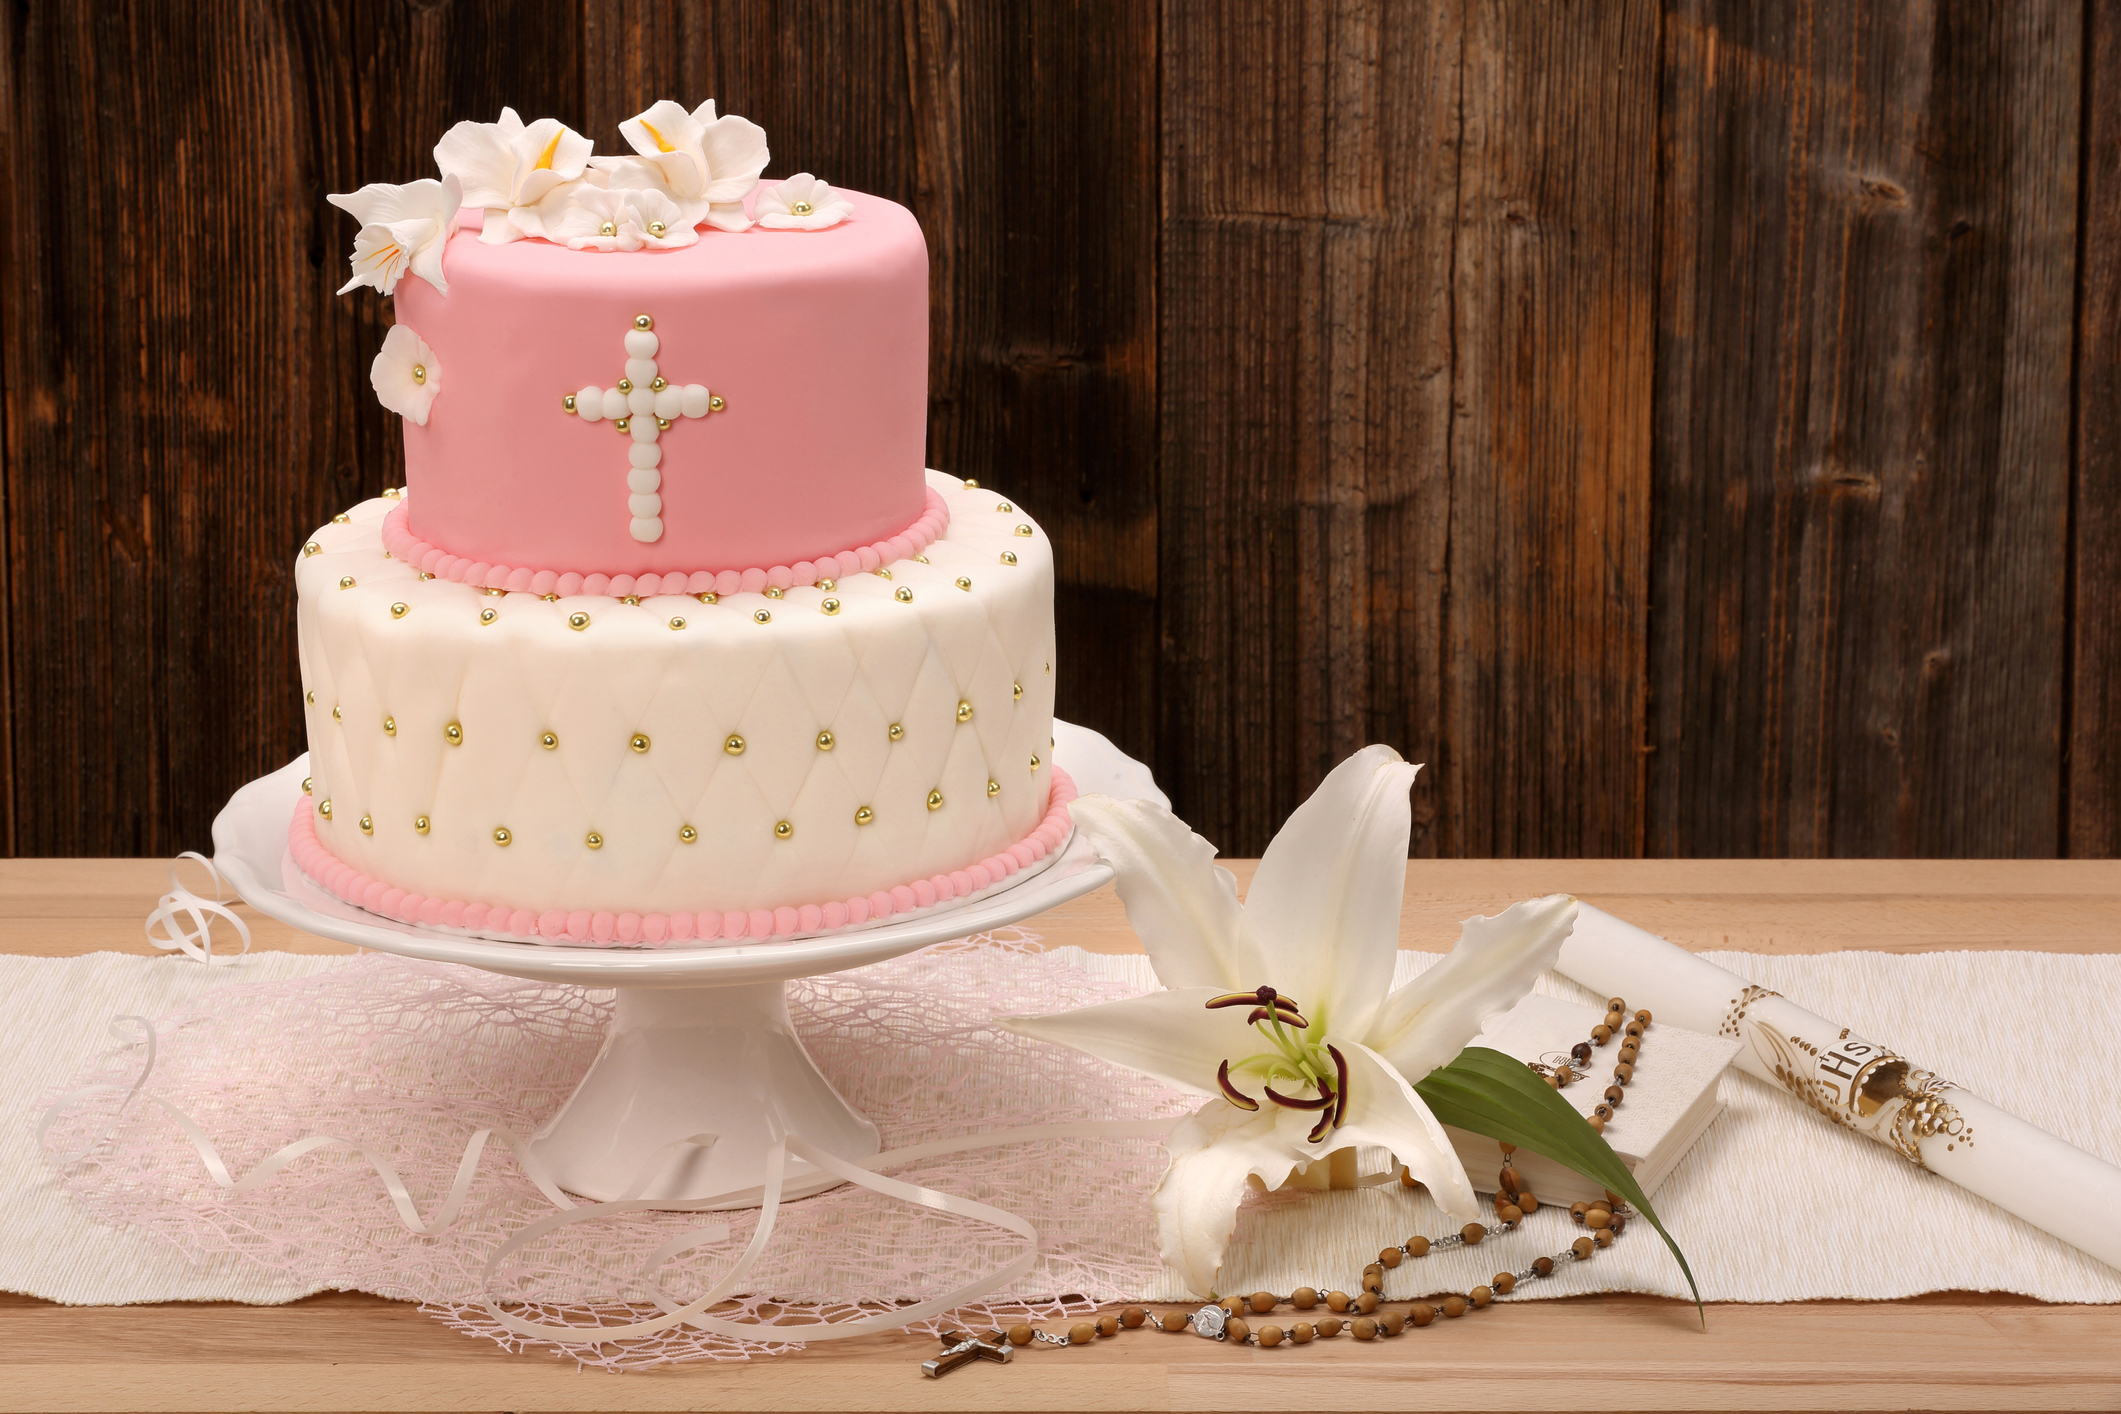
(1772, 1205)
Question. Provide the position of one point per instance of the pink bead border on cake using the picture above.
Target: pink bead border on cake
(606, 929)
(915, 538)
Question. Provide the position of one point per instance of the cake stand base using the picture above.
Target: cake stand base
(720, 1061)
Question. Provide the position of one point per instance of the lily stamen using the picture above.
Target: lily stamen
(1301, 1060)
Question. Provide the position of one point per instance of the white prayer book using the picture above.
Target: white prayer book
(1675, 1096)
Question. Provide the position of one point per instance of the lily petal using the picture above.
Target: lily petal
(1213, 1151)
(1171, 1036)
(736, 152)
(1426, 1023)
(1183, 907)
(1384, 1110)
(1321, 920)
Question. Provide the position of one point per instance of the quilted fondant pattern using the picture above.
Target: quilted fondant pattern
(641, 713)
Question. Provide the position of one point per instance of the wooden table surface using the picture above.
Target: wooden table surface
(1950, 1350)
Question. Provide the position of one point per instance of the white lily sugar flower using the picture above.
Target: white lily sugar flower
(402, 228)
(512, 167)
(801, 203)
(705, 163)
(406, 374)
(622, 219)
(1279, 1009)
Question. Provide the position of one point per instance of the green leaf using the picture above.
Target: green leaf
(1490, 1093)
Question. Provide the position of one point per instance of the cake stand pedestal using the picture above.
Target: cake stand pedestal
(701, 1042)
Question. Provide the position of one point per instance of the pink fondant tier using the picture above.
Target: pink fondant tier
(608, 928)
(816, 343)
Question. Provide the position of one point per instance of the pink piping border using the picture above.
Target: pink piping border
(608, 929)
(915, 538)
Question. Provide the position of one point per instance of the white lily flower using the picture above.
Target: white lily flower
(402, 228)
(801, 203)
(706, 164)
(510, 165)
(1279, 1008)
(622, 219)
(406, 374)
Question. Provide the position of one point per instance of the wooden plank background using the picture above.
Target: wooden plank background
(1691, 426)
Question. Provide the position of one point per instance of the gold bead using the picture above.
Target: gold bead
(659, 384)
(829, 607)
(761, 616)
(419, 824)
(642, 321)
(453, 734)
(400, 609)
(487, 616)
(715, 403)
(662, 424)
(633, 599)
(623, 424)
(1049, 670)
(935, 800)
(971, 485)
(1034, 764)
(390, 726)
(1016, 691)
(1003, 506)
(311, 548)
(964, 584)
(578, 621)
(593, 840)
(994, 788)
(657, 229)
(392, 493)
(828, 585)
(567, 403)
(306, 780)
(501, 837)
(345, 581)
(549, 741)
(550, 598)
(686, 834)
(676, 624)
(922, 560)
(324, 808)
(342, 518)
(897, 732)
(882, 571)
(368, 824)
(1008, 557)
(608, 228)
(904, 594)
(625, 385)
(734, 746)
(801, 208)
(710, 597)
(825, 741)
(782, 830)
(1023, 530)
(771, 592)
(419, 373)
(863, 815)
(335, 715)
(639, 743)
(964, 711)
(310, 697)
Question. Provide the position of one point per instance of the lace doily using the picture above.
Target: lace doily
(408, 1058)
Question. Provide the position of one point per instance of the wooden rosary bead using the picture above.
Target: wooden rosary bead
(1508, 1180)
(1601, 1033)
(1543, 1265)
(1081, 1333)
(1613, 1200)
(1620, 1220)
(1417, 1246)
(1643, 1017)
(1303, 1332)
(1263, 1302)
(1336, 1301)
(1363, 1328)
(1373, 1281)
(1481, 1296)
(1597, 1124)
(1454, 1306)
(1173, 1321)
(1526, 1202)
(1472, 1233)
(1624, 1072)
(1304, 1297)
(1393, 1321)
(1578, 1209)
(1509, 1212)
(1582, 1247)
(1237, 1328)
(1421, 1313)
(1133, 1316)
(1391, 1256)
(1607, 1204)
(1330, 1327)
(1504, 1283)
(1270, 1336)
(1507, 1149)
(1634, 1028)
(1614, 1094)
(1597, 1218)
(1367, 1302)
(1232, 1305)
(1108, 1324)
(1554, 1081)
(1019, 1335)
(1615, 1004)
(1564, 1073)
(1604, 1237)
(1603, 1112)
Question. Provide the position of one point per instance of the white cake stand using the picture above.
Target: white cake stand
(680, 1059)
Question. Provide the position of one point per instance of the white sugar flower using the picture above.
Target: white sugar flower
(406, 374)
(706, 164)
(622, 219)
(801, 203)
(510, 166)
(1278, 1008)
(402, 228)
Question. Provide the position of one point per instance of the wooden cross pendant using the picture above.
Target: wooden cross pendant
(962, 1348)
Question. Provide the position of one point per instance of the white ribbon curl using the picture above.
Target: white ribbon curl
(197, 941)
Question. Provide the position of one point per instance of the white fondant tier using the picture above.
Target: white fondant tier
(675, 755)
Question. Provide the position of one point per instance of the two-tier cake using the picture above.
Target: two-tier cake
(669, 636)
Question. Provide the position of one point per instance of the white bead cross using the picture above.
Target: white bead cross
(644, 405)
